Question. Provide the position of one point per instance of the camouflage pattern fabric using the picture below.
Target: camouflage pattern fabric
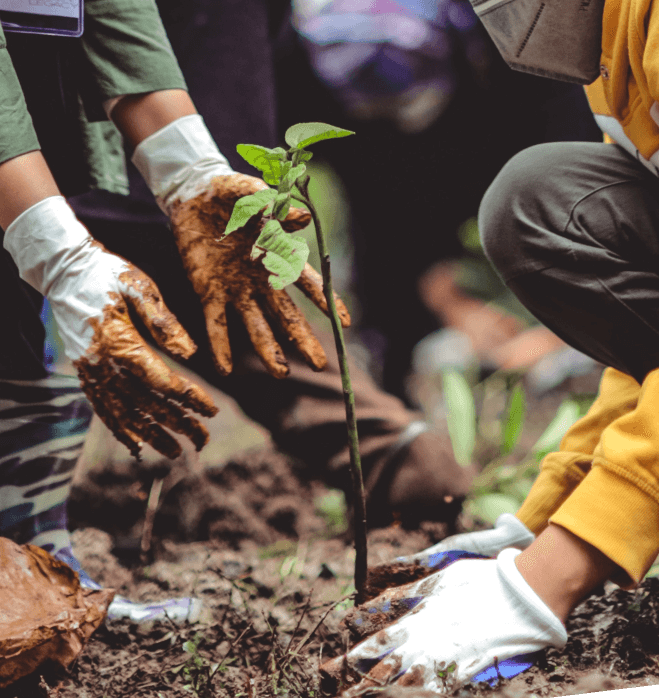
(43, 424)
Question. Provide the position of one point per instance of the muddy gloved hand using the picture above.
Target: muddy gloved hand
(195, 186)
(475, 620)
(508, 532)
(91, 291)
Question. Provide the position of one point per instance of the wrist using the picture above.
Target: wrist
(24, 181)
(563, 569)
(179, 161)
(141, 115)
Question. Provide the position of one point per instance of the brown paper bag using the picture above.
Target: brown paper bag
(44, 612)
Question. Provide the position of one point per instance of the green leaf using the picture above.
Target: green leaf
(333, 509)
(520, 488)
(281, 206)
(247, 207)
(490, 506)
(268, 160)
(306, 134)
(300, 156)
(470, 235)
(281, 548)
(566, 415)
(514, 420)
(289, 179)
(285, 255)
(460, 415)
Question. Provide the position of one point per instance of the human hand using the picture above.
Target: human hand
(196, 187)
(223, 273)
(91, 292)
(474, 620)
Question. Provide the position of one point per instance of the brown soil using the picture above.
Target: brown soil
(251, 540)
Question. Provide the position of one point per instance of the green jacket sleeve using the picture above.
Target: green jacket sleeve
(124, 51)
(17, 134)
(127, 49)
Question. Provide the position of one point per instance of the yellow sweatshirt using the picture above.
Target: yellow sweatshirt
(625, 98)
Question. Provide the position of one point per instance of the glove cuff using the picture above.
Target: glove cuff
(529, 604)
(178, 161)
(516, 533)
(44, 240)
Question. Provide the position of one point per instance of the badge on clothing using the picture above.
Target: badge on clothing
(58, 17)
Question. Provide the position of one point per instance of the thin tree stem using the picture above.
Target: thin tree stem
(359, 505)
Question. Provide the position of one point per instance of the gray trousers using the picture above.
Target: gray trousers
(573, 229)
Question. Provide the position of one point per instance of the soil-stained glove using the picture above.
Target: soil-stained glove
(195, 186)
(460, 624)
(508, 532)
(91, 291)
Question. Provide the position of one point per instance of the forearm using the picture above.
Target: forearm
(139, 116)
(563, 569)
(24, 181)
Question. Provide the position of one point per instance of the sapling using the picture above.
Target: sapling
(285, 255)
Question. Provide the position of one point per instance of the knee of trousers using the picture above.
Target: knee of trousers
(512, 208)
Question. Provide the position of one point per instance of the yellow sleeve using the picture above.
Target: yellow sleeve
(564, 469)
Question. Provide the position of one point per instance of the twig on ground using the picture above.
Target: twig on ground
(149, 517)
(311, 633)
(299, 621)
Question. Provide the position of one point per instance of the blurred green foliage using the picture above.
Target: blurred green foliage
(503, 484)
(333, 509)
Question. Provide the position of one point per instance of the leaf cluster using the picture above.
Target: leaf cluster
(500, 487)
(198, 671)
(283, 255)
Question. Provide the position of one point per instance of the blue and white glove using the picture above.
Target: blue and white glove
(475, 620)
(508, 532)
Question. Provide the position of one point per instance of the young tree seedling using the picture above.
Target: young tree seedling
(285, 255)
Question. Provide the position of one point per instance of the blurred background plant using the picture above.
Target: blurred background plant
(486, 422)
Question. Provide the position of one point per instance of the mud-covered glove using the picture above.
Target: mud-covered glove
(195, 186)
(91, 291)
(473, 620)
(508, 532)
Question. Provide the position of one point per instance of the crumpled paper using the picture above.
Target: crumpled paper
(44, 611)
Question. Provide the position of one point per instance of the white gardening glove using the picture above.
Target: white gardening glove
(508, 532)
(195, 186)
(91, 291)
(465, 622)
(179, 161)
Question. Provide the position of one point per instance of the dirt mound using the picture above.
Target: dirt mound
(255, 496)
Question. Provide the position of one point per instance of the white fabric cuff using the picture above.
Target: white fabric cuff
(179, 161)
(531, 608)
(44, 240)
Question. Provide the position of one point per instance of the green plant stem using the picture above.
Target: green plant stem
(361, 562)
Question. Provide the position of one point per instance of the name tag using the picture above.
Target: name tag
(58, 17)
